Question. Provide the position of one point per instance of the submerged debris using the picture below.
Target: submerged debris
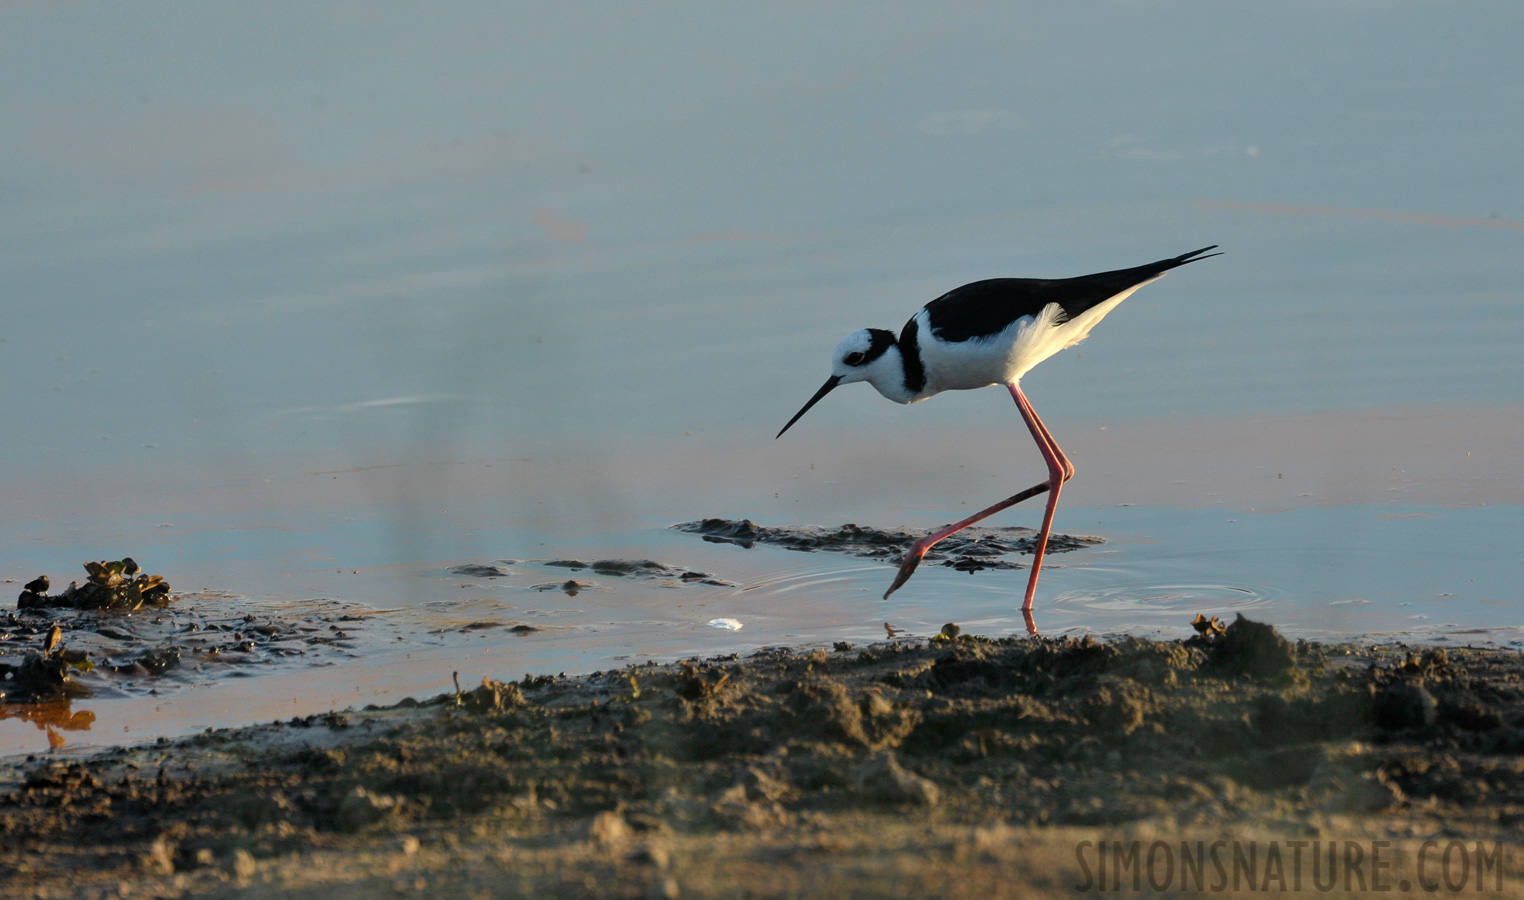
(969, 550)
(570, 587)
(473, 570)
(625, 568)
(615, 567)
(114, 584)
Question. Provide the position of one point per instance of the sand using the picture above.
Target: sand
(966, 767)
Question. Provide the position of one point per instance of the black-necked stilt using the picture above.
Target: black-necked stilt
(987, 333)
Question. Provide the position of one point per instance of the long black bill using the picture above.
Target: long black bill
(831, 382)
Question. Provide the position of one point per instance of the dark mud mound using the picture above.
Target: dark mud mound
(969, 550)
(1253, 649)
(114, 584)
(41, 677)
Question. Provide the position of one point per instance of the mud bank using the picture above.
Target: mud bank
(970, 550)
(965, 767)
(124, 634)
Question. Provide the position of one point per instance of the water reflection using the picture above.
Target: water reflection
(53, 717)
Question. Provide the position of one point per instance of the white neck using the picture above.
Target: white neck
(887, 375)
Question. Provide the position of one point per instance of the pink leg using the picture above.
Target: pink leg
(918, 549)
(1060, 470)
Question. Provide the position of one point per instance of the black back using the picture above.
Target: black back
(985, 308)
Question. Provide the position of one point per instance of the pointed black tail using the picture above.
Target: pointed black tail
(1165, 265)
(1088, 290)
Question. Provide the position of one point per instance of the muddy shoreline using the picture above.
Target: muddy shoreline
(966, 767)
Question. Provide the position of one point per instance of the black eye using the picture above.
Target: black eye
(854, 358)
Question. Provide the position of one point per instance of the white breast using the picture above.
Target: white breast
(1003, 358)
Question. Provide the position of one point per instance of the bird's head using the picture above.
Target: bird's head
(858, 357)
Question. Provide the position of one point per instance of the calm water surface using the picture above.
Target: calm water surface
(320, 300)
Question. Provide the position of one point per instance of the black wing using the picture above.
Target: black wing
(988, 307)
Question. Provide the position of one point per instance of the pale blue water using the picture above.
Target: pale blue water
(243, 246)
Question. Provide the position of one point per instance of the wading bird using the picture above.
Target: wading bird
(987, 333)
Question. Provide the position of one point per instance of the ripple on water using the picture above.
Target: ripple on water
(812, 579)
(1166, 600)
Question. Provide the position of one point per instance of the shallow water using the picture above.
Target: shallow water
(319, 301)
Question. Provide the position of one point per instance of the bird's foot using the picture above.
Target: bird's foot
(913, 558)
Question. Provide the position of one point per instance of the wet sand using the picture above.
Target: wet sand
(966, 767)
